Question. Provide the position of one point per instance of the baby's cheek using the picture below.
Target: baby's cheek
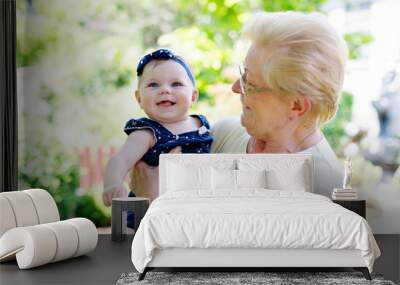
(186, 103)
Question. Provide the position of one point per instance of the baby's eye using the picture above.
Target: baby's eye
(177, 83)
(152, 84)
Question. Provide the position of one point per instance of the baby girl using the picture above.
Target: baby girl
(166, 91)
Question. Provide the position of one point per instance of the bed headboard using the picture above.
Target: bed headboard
(283, 165)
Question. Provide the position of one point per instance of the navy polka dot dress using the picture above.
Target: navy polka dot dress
(197, 141)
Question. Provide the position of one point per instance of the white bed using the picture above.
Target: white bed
(233, 210)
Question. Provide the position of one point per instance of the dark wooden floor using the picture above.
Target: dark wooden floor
(110, 260)
(102, 266)
(389, 262)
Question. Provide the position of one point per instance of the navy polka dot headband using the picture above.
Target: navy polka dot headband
(163, 54)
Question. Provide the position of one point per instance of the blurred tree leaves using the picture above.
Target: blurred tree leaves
(295, 5)
(355, 42)
(334, 130)
(216, 22)
(52, 167)
(87, 206)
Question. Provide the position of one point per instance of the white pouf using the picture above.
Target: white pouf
(31, 233)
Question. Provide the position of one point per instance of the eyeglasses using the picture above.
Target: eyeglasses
(247, 88)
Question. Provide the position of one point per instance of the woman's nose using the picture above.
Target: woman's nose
(236, 87)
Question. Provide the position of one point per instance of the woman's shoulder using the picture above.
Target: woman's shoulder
(325, 154)
(229, 136)
(226, 125)
(328, 171)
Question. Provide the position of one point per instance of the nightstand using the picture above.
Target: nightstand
(357, 206)
(120, 206)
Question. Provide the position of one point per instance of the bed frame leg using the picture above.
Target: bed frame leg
(364, 271)
(143, 274)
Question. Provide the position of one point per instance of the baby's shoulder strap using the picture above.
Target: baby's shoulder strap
(204, 121)
(138, 124)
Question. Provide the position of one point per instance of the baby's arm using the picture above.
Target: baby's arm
(136, 145)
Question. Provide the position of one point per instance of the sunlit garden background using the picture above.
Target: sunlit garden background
(76, 78)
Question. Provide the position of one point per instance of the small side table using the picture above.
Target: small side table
(357, 206)
(120, 206)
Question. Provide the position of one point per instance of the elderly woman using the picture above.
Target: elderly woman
(289, 87)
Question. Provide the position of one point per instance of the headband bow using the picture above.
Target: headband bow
(163, 54)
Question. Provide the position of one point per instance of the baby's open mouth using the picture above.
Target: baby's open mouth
(166, 103)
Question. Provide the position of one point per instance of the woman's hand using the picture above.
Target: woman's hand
(146, 177)
(115, 192)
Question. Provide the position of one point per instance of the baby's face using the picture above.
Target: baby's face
(165, 92)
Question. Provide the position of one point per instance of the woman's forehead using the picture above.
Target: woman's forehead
(254, 61)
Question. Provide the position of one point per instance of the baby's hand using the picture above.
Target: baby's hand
(114, 192)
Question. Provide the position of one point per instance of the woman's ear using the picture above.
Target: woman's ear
(301, 105)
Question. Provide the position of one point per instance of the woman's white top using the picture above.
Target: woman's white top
(231, 137)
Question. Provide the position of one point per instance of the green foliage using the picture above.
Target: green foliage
(32, 44)
(27, 54)
(87, 207)
(219, 20)
(355, 43)
(52, 168)
(293, 5)
(334, 130)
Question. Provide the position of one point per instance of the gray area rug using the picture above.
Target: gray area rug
(269, 278)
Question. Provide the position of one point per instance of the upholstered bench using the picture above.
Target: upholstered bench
(31, 231)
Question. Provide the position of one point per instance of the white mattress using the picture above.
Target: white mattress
(250, 219)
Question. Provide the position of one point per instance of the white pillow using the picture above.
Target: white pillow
(282, 174)
(251, 178)
(228, 179)
(295, 180)
(183, 177)
(223, 179)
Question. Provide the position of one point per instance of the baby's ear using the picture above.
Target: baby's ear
(137, 95)
(195, 95)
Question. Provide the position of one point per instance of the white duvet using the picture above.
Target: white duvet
(252, 218)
